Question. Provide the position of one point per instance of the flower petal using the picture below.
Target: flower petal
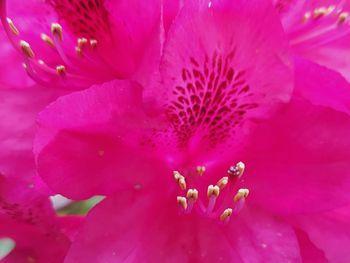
(329, 231)
(214, 76)
(321, 86)
(164, 236)
(18, 111)
(299, 160)
(27, 217)
(309, 252)
(96, 146)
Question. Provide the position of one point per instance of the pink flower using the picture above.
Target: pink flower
(79, 43)
(167, 154)
(319, 31)
(27, 218)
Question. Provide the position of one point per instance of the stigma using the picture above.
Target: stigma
(219, 201)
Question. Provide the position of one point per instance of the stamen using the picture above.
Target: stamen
(82, 42)
(222, 182)
(12, 26)
(319, 12)
(306, 17)
(330, 9)
(26, 49)
(200, 170)
(93, 43)
(48, 40)
(242, 193)
(213, 191)
(61, 70)
(342, 17)
(192, 195)
(56, 30)
(225, 216)
(78, 51)
(182, 202)
(239, 199)
(180, 180)
(237, 170)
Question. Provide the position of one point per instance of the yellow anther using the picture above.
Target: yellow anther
(26, 49)
(12, 26)
(48, 40)
(180, 180)
(330, 9)
(319, 12)
(82, 42)
(78, 51)
(182, 183)
(222, 182)
(177, 175)
(200, 170)
(226, 214)
(342, 17)
(192, 194)
(240, 166)
(242, 193)
(306, 16)
(213, 190)
(182, 201)
(56, 30)
(93, 43)
(61, 70)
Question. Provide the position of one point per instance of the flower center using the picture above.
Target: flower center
(209, 100)
(217, 201)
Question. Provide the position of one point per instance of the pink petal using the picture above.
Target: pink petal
(96, 146)
(69, 225)
(164, 236)
(214, 76)
(321, 86)
(309, 252)
(27, 217)
(299, 160)
(329, 231)
(18, 111)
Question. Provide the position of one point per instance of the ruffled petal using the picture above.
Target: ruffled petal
(165, 236)
(215, 77)
(97, 146)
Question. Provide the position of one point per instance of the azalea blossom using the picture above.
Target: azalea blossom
(78, 43)
(27, 218)
(319, 31)
(213, 161)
